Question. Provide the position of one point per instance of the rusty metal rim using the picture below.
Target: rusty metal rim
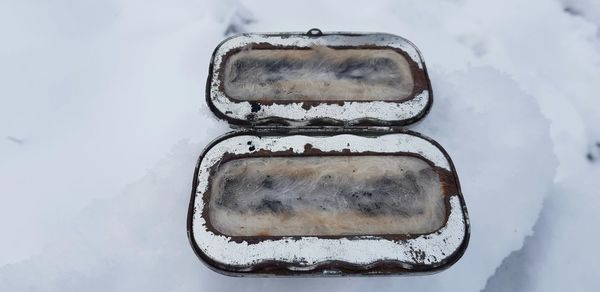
(249, 120)
(332, 267)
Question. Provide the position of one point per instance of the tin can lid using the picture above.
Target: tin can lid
(316, 78)
(327, 201)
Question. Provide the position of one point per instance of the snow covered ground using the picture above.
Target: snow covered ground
(102, 117)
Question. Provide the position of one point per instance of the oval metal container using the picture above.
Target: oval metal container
(327, 201)
(316, 78)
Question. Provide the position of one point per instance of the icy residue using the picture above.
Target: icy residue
(326, 195)
(319, 73)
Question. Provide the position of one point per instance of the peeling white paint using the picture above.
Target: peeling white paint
(349, 112)
(307, 252)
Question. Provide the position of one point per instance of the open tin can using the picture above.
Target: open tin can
(320, 179)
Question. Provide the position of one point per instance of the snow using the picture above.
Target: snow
(102, 118)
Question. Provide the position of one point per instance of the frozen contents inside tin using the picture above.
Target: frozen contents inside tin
(326, 195)
(318, 73)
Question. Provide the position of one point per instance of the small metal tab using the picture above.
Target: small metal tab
(314, 32)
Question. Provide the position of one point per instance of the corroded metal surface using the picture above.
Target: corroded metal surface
(280, 92)
(367, 254)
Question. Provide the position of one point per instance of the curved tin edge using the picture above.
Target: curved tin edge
(331, 268)
(323, 121)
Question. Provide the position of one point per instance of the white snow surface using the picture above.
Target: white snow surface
(102, 118)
